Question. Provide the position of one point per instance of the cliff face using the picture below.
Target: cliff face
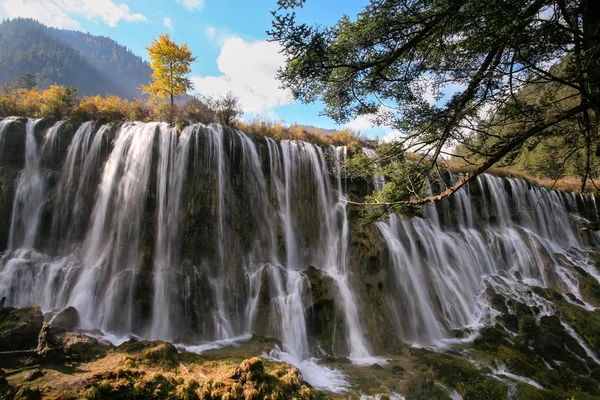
(207, 234)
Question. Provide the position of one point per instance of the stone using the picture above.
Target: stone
(19, 328)
(67, 320)
(33, 375)
(25, 393)
(251, 370)
(82, 347)
(396, 369)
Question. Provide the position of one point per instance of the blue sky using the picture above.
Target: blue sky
(228, 37)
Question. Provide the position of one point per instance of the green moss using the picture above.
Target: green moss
(460, 375)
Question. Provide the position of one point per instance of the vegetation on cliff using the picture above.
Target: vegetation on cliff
(396, 61)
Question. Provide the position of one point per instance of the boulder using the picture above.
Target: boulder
(67, 319)
(33, 375)
(19, 328)
(81, 347)
(251, 370)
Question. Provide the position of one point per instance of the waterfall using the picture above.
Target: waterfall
(208, 234)
(111, 251)
(5, 123)
(524, 235)
(30, 193)
(69, 184)
(171, 177)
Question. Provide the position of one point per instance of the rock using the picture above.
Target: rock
(251, 370)
(67, 320)
(81, 347)
(49, 316)
(396, 369)
(45, 339)
(19, 328)
(92, 332)
(33, 375)
(163, 353)
(25, 393)
(2, 302)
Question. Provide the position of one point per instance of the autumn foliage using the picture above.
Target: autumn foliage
(61, 102)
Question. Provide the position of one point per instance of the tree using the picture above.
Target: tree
(171, 66)
(228, 109)
(26, 81)
(394, 62)
(200, 109)
(58, 101)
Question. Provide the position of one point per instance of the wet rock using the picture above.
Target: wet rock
(33, 375)
(19, 328)
(396, 369)
(67, 320)
(93, 332)
(511, 322)
(491, 336)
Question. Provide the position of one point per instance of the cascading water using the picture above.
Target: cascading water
(440, 268)
(207, 235)
(171, 177)
(111, 251)
(30, 194)
(5, 123)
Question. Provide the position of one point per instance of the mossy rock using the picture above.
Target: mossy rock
(67, 319)
(458, 374)
(19, 328)
(80, 347)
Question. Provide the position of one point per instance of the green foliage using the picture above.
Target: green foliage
(94, 65)
(228, 109)
(395, 61)
(461, 376)
(26, 81)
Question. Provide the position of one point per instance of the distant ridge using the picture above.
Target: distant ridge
(95, 65)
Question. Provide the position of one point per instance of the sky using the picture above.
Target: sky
(228, 37)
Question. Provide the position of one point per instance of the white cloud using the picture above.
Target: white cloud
(168, 24)
(192, 4)
(44, 11)
(248, 70)
(361, 123)
(217, 35)
(59, 13)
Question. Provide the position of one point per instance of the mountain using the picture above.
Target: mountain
(92, 64)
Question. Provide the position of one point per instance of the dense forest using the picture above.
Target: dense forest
(94, 65)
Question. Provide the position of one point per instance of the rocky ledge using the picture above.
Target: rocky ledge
(41, 359)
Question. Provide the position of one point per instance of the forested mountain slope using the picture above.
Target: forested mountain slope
(92, 64)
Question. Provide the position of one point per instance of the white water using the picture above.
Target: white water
(260, 214)
(29, 194)
(171, 176)
(103, 293)
(318, 375)
(523, 236)
(4, 123)
(503, 372)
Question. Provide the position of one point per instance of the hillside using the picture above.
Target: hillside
(92, 64)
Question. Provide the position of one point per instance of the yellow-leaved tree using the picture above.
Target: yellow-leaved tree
(171, 65)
